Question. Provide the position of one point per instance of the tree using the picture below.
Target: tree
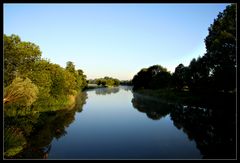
(41, 76)
(21, 91)
(69, 83)
(59, 79)
(81, 79)
(70, 67)
(141, 79)
(153, 77)
(116, 82)
(161, 80)
(179, 76)
(106, 81)
(221, 49)
(19, 57)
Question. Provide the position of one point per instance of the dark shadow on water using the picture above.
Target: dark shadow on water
(153, 108)
(212, 128)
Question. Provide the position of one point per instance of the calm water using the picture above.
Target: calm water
(115, 123)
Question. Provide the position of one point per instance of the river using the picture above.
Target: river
(115, 123)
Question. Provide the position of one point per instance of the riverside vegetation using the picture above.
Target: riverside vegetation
(41, 98)
(33, 86)
(211, 75)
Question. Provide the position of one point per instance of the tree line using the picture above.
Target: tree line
(215, 71)
(30, 79)
(105, 82)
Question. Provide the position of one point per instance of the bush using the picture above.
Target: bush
(21, 91)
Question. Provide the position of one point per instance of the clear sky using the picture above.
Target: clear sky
(114, 40)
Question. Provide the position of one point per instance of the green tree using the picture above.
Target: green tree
(41, 76)
(69, 83)
(19, 57)
(21, 91)
(81, 79)
(58, 80)
(116, 82)
(70, 67)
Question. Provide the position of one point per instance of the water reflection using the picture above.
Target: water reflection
(105, 91)
(126, 88)
(212, 128)
(153, 108)
(50, 125)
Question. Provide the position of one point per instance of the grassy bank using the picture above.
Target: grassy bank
(189, 98)
(21, 122)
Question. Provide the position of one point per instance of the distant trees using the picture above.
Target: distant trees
(105, 82)
(126, 82)
(26, 73)
(214, 71)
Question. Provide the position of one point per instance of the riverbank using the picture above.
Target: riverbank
(93, 86)
(189, 98)
(20, 123)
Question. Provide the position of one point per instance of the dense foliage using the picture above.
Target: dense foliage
(105, 82)
(52, 82)
(33, 86)
(19, 57)
(215, 71)
(126, 82)
(153, 77)
(21, 91)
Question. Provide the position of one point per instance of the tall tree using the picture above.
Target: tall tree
(221, 49)
(70, 67)
(179, 76)
(19, 57)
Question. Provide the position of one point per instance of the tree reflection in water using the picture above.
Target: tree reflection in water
(153, 108)
(50, 125)
(213, 128)
(126, 87)
(105, 91)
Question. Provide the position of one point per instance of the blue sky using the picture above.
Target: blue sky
(114, 40)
